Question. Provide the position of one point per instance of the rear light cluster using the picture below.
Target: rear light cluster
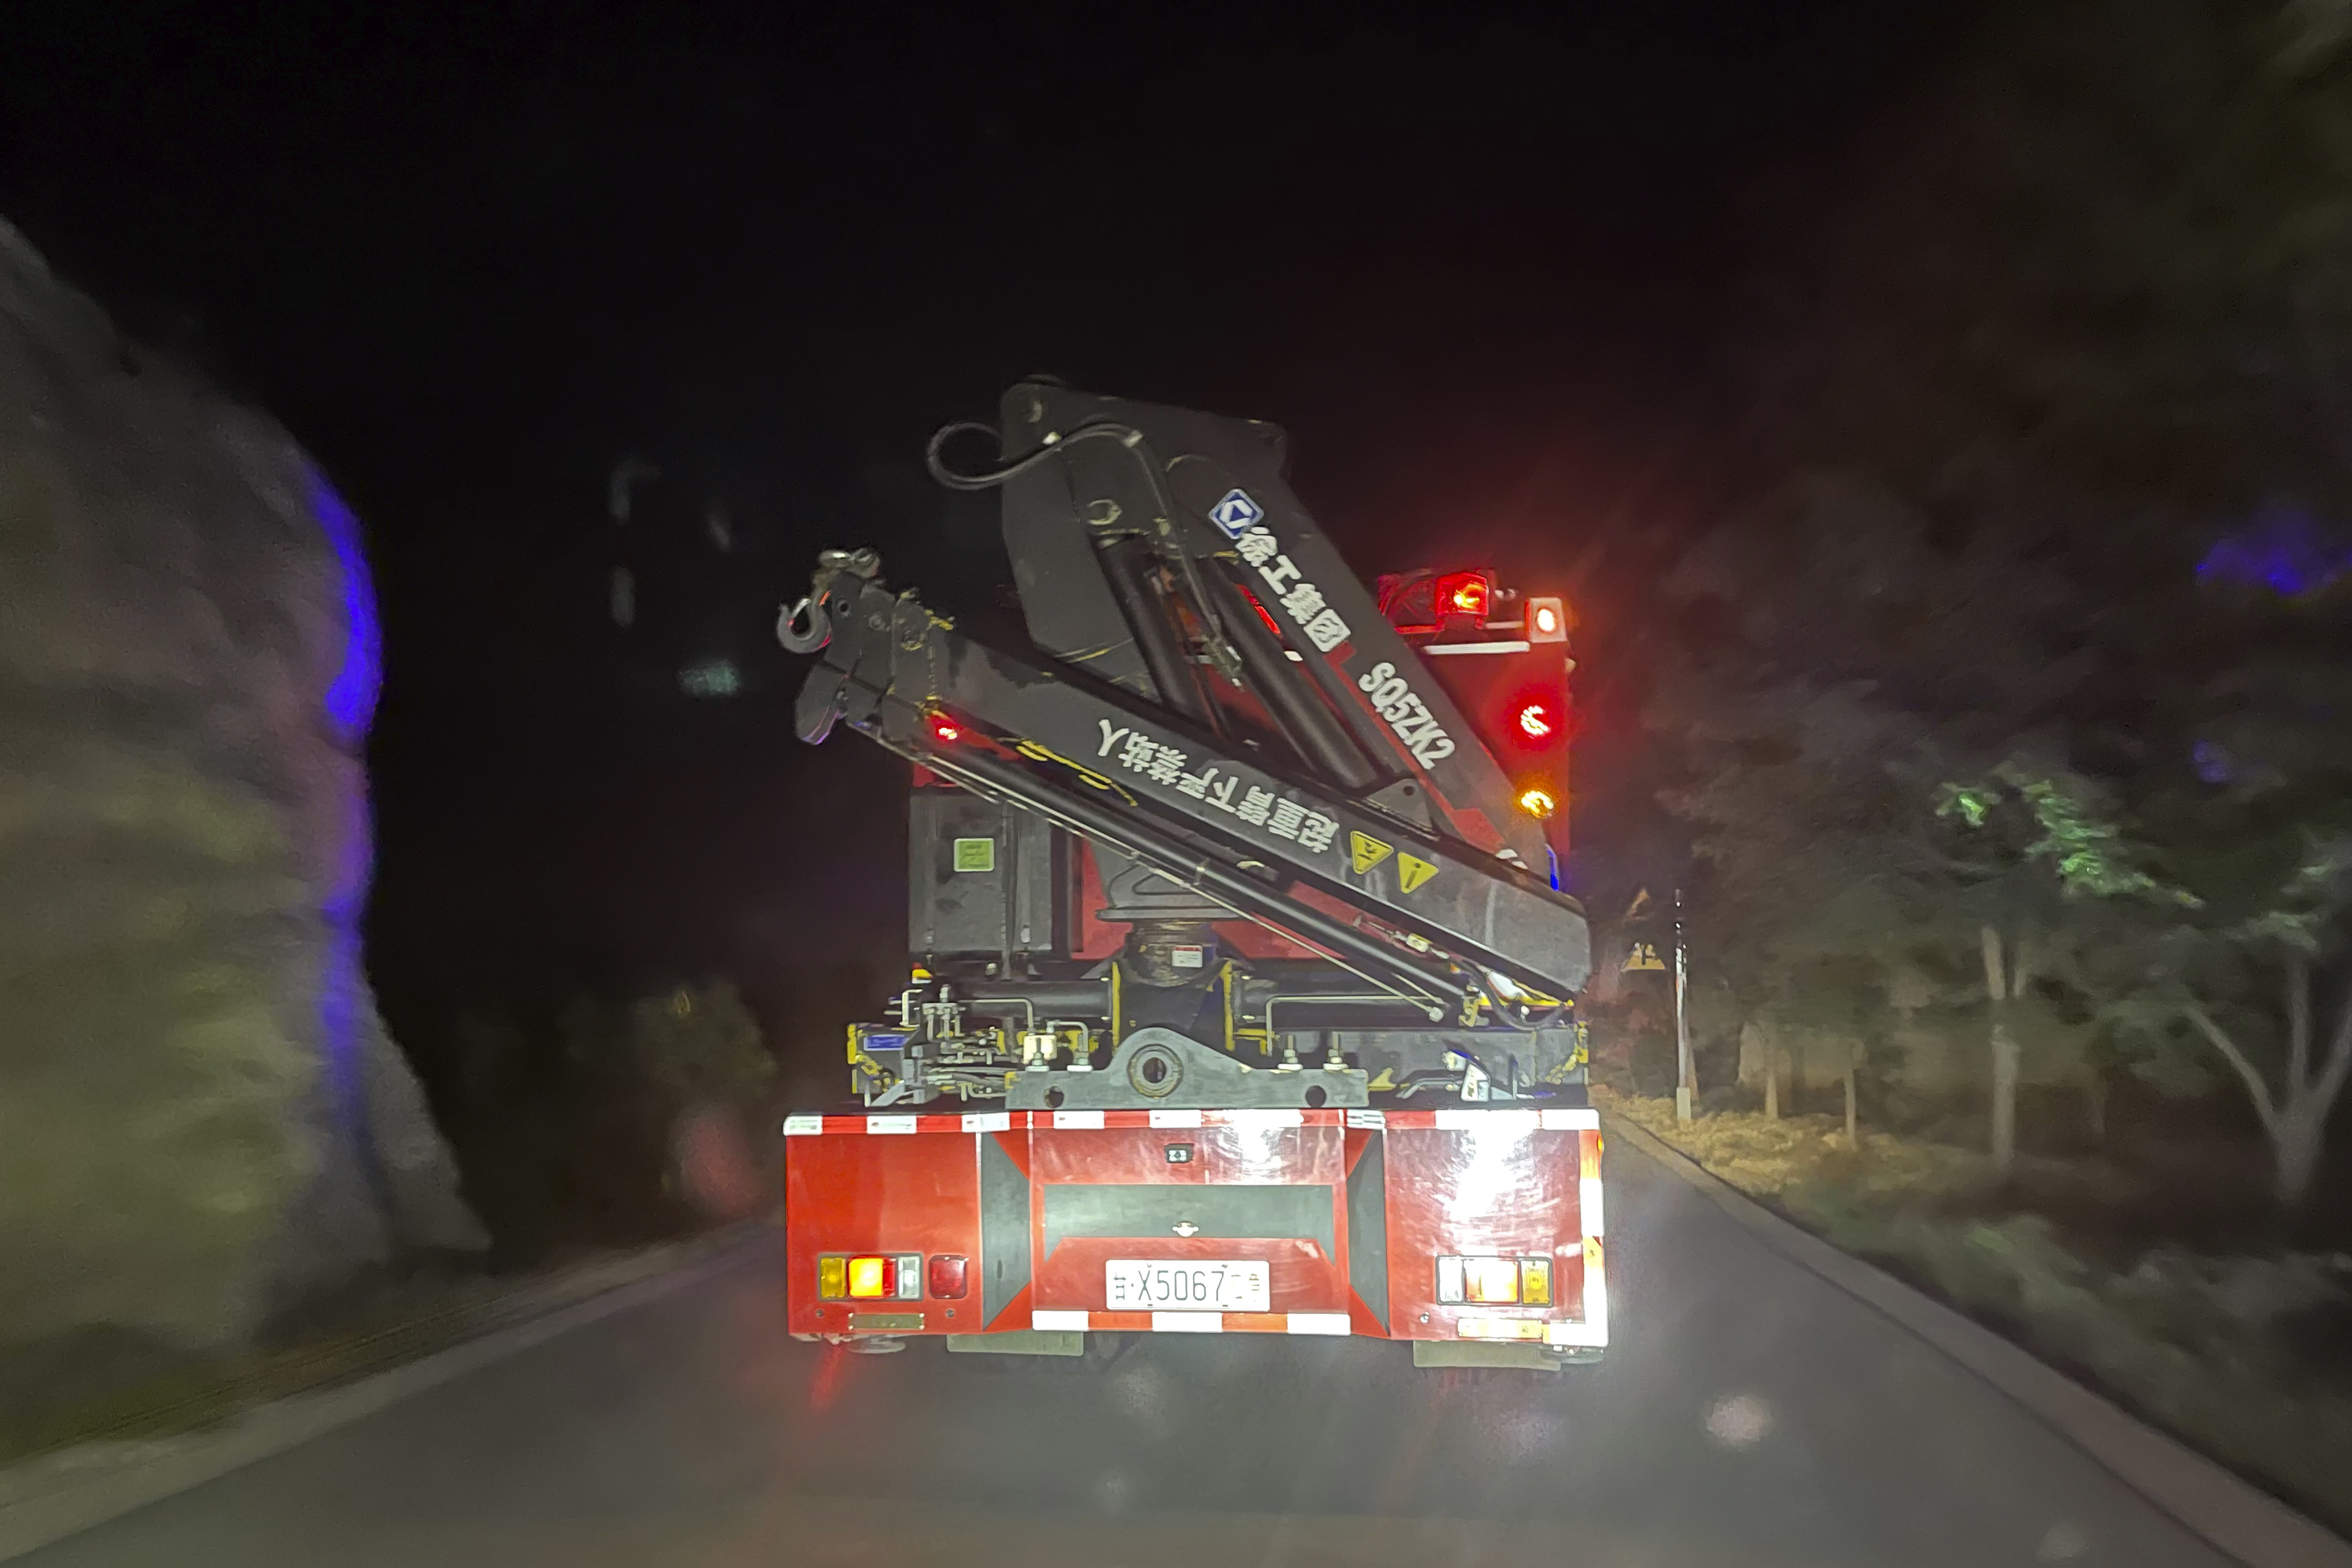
(889, 1277)
(1494, 1281)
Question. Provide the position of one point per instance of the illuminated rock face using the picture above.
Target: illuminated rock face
(201, 1120)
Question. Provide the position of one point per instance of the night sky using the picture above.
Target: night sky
(1488, 272)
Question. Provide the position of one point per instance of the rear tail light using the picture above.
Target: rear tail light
(872, 1277)
(1494, 1281)
(946, 1277)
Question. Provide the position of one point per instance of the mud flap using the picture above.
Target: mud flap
(1020, 1341)
(1476, 1352)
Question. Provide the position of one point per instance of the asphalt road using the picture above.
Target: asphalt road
(1749, 1413)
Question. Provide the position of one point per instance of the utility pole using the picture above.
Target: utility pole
(1685, 1076)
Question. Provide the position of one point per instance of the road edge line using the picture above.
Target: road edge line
(2227, 1511)
(181, 1463)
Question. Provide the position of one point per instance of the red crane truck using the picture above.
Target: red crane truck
(1241, 996)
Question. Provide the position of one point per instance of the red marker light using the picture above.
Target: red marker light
(1535, 722)
(944, 727)
(947, 1275)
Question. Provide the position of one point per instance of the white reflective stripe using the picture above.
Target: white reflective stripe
(1058, 1320)
(1596, 1307)
(988, 1121)
(1187, 1323)
(1257, 1118)
(1505, 1121)
(802, 1126)
(1078, 1119)
(1318, 1323)
(1588, 1204)
(890, 1123)
(1571, 1120)
(1583, 1333)
(1511, 645)
(1368, 1120)
(1176, 1118)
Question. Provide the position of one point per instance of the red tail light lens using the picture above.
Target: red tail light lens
(947, 1276)
(1537, 722)
(1465, 593)
(945, 728)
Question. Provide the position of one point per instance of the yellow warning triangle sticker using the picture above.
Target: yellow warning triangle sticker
(1411, 871)
(1369, 851)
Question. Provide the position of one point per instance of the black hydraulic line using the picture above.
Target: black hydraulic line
(1307, 723)
(1126, 564)
(1172, 856)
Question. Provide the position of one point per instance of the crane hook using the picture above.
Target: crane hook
(788, 627)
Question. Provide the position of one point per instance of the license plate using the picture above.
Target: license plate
(1139, 1285)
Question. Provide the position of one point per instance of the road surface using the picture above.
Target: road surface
(1749, 1413)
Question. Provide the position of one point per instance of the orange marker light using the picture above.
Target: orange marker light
(1537, 803)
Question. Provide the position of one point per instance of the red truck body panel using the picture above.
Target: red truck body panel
(1347, 1210)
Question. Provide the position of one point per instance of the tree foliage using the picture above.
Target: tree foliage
(1996, 676)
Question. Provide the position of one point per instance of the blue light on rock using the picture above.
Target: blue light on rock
(351, 697)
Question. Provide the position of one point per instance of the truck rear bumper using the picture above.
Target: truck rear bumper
(1347, 1222)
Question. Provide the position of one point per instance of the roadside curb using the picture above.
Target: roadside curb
(2233, 1515)
(48, 1498)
